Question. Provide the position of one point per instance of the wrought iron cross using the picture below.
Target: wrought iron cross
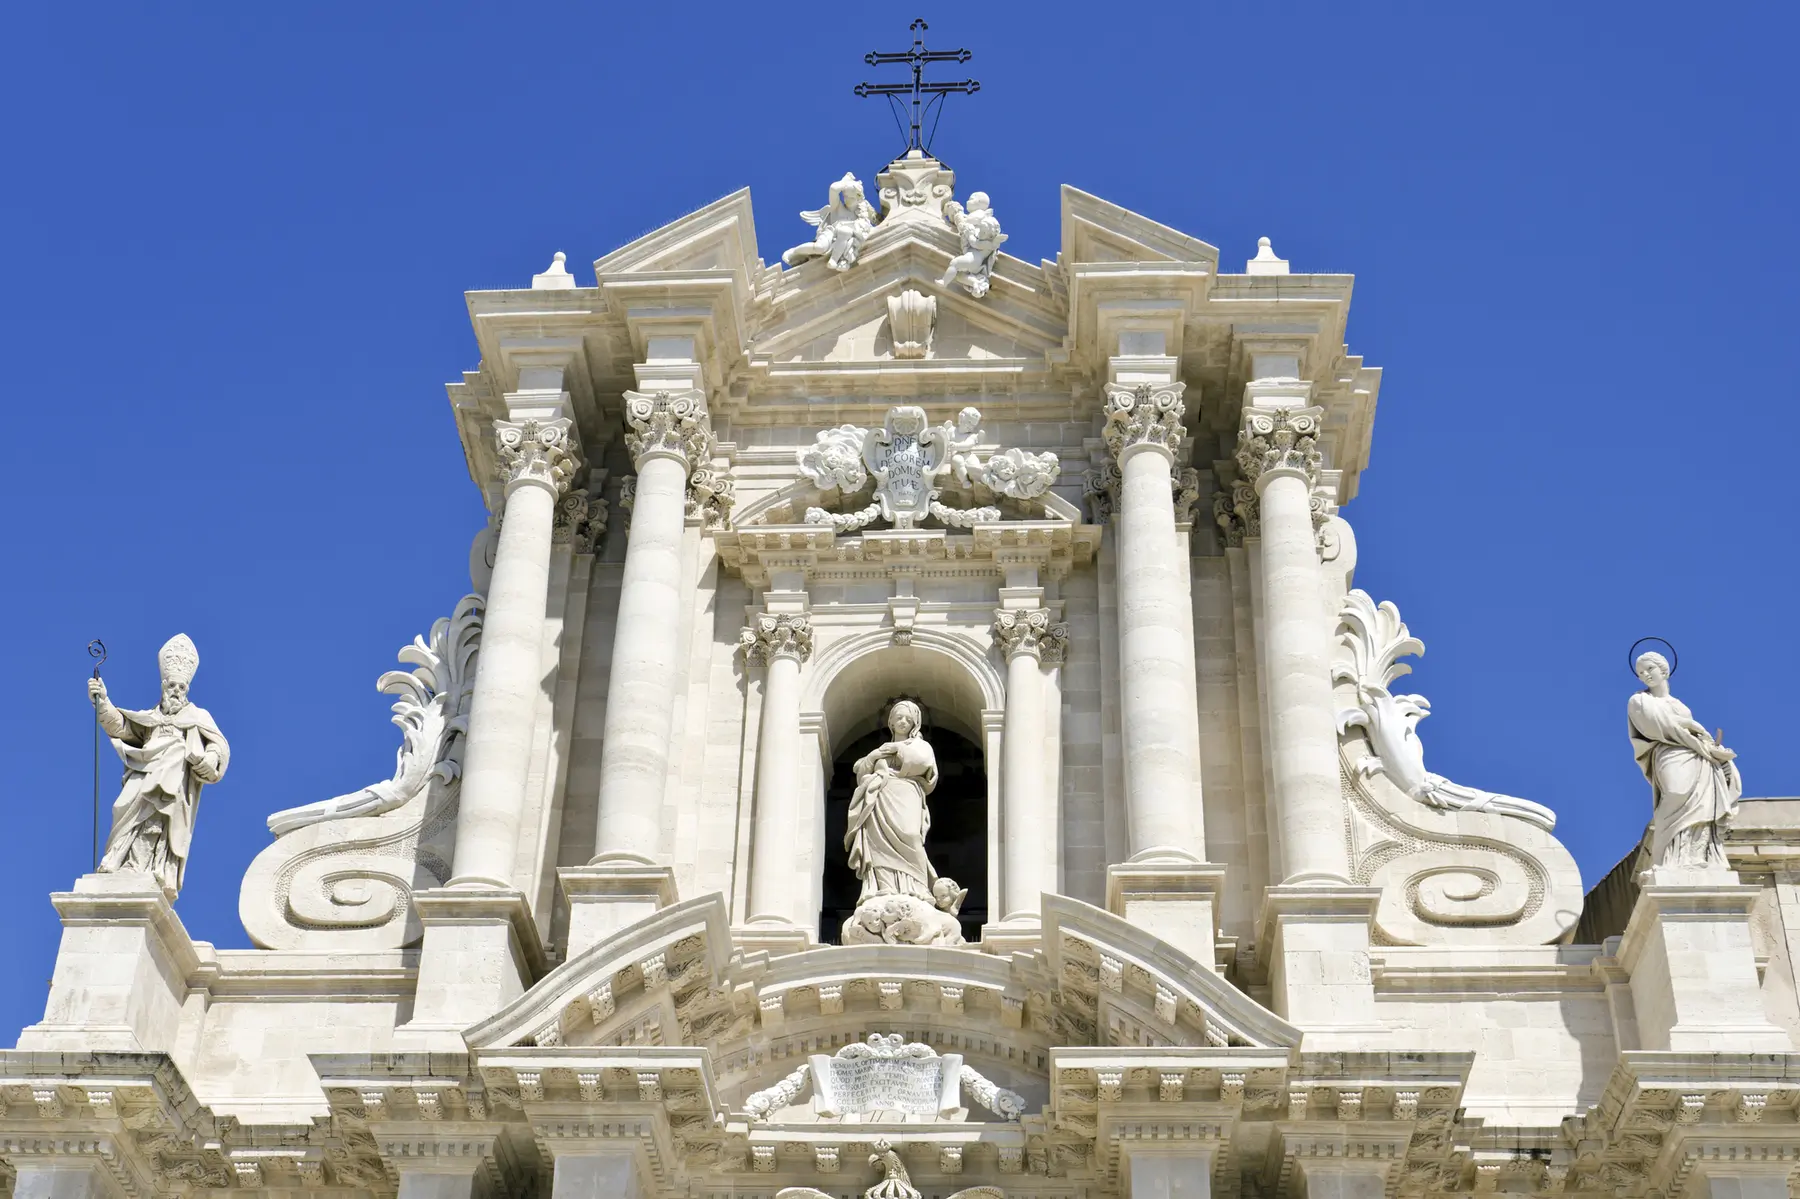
(925, 96)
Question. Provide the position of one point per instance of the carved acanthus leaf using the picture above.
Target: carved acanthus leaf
(1282, 439)
(537, 451)
(1030, 631)
(775, 635)
(1148, 414)
(667, 422)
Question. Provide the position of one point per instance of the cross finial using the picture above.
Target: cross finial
(924, 96)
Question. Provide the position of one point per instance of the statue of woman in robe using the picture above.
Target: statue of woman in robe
(1694, 781)
(888, 814)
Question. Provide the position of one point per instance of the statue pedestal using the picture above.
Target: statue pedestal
(121, 971)
(604, 897)
(1315, 940)
(1693, 976)
(1176, 901)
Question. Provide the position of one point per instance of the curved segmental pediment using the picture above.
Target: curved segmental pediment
(661, 981)
(1141, 990)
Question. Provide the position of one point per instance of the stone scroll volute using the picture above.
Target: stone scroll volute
(341, 872)
(1456, 865)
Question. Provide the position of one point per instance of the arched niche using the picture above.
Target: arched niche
(852, 678)
(952, 678)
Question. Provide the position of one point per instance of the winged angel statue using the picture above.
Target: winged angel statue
(844, 224)
(895, 1182)
(1377, 639)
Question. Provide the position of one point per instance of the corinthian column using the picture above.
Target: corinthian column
(781, 643)
(1278, 454)
(537, 459)
(1026, 637)
(1143, 430)
(668, 435)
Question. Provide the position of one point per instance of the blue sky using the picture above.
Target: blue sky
(235, 240)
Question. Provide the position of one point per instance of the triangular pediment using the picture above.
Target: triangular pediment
(819, 315)
(1094, 230)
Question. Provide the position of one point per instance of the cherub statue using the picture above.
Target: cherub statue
(964, 461)
(170, 752)
(844, 225)
(979, 229)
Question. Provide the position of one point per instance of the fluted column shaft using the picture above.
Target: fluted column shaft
(783, 643)
(1277, 451)
(1143, 429)
(667, 434)
(1027, 638)
(536, 462)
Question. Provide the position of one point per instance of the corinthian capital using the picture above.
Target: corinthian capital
(773, 636)
(1030, 631)
(667, 422)
(1148, 414)
(1285, 439)
(532, 451)
(580, 521)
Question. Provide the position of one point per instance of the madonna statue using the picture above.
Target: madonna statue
(903, 900)
(1694, 781)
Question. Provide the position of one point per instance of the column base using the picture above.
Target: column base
(604, 897)
(773, 937)
(121, 971)
(1176, 901)
(480, 952)
(1688, 953)
(1315, 941)
(1018, 933)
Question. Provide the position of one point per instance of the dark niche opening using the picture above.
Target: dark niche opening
(956, 842)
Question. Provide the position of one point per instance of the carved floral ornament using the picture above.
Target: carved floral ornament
(532, 451)
(774, 636)
(580, 521)
(1030, 631)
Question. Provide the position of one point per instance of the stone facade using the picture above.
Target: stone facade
(1220, 928)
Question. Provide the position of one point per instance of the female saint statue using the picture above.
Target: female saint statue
(902, 899)
(1694, 781)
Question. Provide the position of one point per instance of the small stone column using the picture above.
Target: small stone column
(1143, 431)
(1028, 639)
(1278, 454)
(537, 457)
(780, 642)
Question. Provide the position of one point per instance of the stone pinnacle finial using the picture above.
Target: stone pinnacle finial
(555, 277)
(1265, 262)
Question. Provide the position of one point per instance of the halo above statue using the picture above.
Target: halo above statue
(1631, 655)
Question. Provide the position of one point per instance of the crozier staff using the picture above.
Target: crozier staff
(1694, 781)
(169, 752)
